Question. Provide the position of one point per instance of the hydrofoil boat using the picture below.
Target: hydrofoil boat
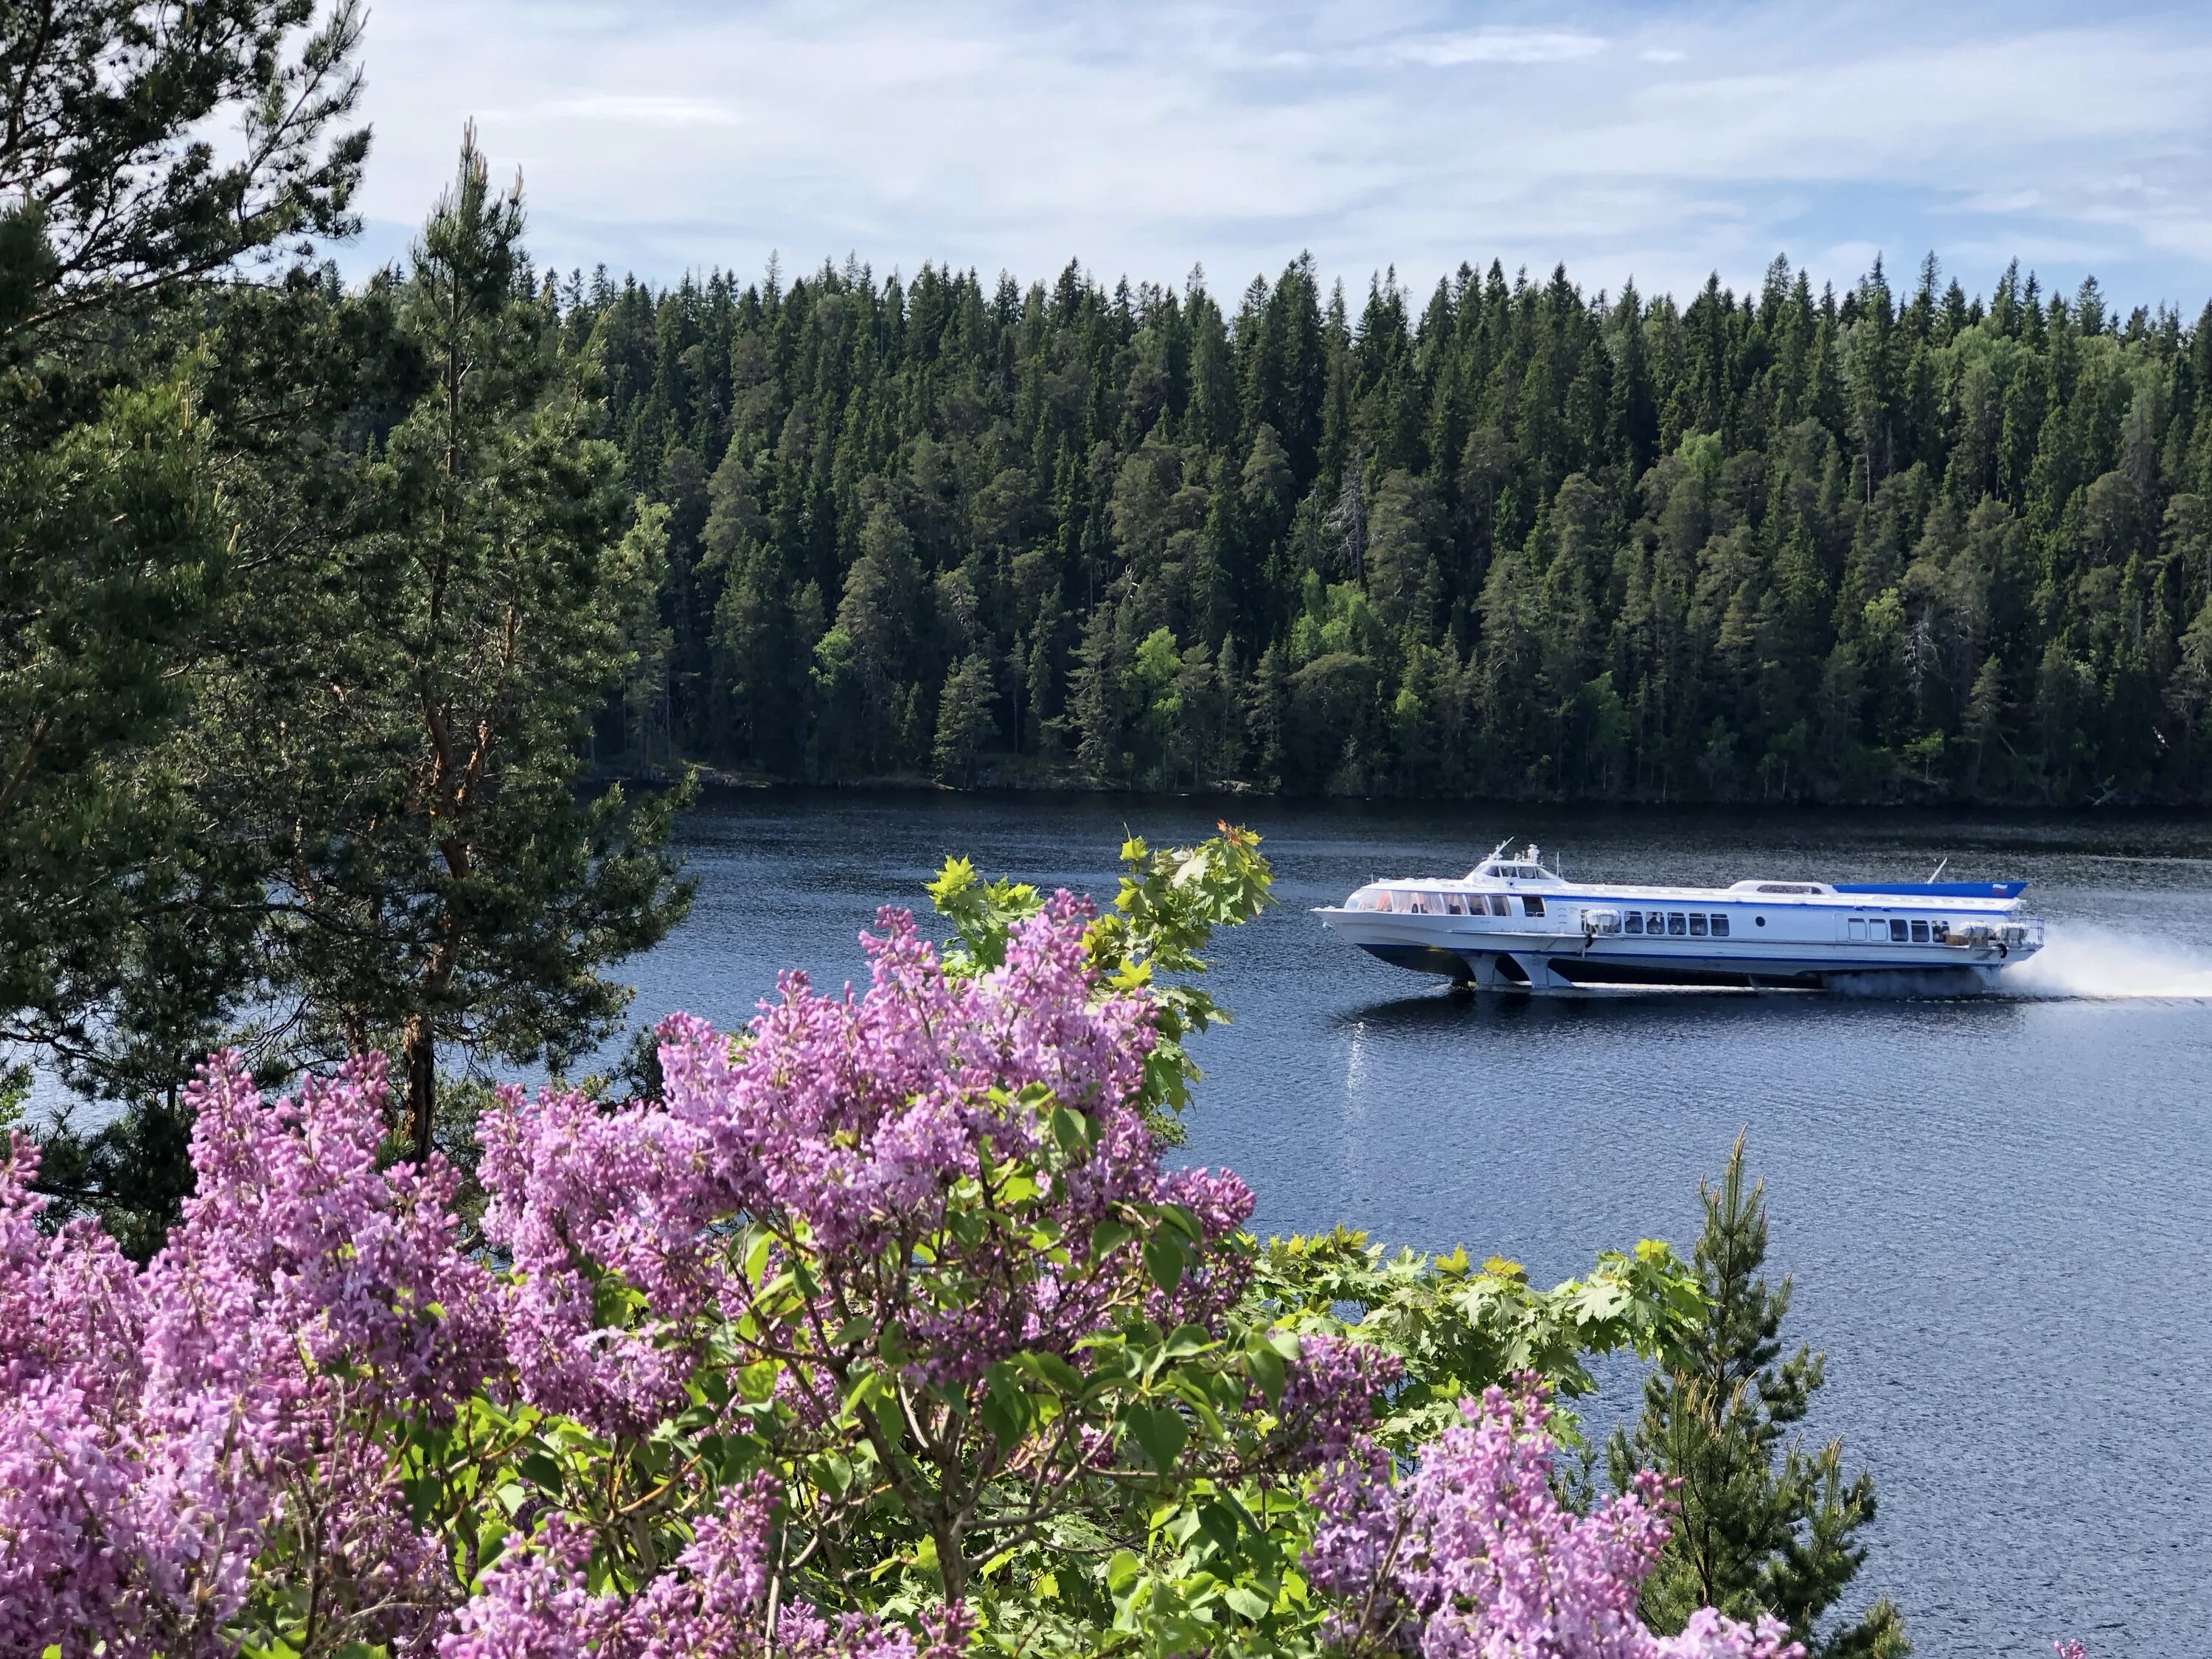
(1515, 924)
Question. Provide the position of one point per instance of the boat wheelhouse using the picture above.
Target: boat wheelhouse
(1514, 923)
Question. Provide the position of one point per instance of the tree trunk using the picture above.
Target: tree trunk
(420, 1050)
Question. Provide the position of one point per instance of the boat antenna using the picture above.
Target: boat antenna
(1500, 848)
(1939, 871)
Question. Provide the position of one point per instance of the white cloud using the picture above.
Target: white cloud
(1144, 138)
(1500, 45)
(633, 111)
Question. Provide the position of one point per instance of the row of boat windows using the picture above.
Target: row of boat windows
(1452, 904)
(1675, 924)
(1652, 924)
(1873, 930)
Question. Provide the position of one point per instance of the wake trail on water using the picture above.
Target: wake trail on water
(2080, 962)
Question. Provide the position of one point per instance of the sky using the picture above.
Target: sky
(1660, 143)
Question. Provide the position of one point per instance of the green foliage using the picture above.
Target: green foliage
(1167, 906)
(963, 721)
(1192, 1535)
(1767, 1526)
(116, 561)
(446, 882)
(1513, 542)
(303, 743)
(1458, 1329)
(151, 151)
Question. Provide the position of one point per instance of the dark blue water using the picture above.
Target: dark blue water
(1997, 1212)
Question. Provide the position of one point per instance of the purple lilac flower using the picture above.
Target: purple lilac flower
(152, 1422)
(1475, 1557)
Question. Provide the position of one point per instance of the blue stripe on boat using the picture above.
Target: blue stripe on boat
(1937, 889)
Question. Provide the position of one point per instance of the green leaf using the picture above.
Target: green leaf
(1266, 1369)
(1187, 1340)
(542, 1470)
(1052, 1370)
(1160, 1431)
(1248, 1603)
(1122, 1570)
(1164, 1260)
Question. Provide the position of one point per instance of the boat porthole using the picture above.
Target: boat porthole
(1761, 920)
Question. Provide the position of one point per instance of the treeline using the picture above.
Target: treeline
(1517, 541)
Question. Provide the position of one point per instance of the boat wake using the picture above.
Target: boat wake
(2080, 962)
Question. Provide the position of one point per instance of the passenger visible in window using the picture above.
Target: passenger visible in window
(1697, 927)
(1634, 921)
(1453, 905)
(1655, 923)
(1677, 924)
(1939, 930)
(1720, 928)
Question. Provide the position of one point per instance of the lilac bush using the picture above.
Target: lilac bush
(1474, 1556)
(881, 1332)
(168, 1433)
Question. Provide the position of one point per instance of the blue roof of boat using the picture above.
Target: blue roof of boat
(1937, 889)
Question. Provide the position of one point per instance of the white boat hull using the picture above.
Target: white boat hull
(1551, 936)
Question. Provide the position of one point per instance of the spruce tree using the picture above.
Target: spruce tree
(1766, 1526)
(964, 722)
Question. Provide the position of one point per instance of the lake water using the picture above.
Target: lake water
(1998, 1210)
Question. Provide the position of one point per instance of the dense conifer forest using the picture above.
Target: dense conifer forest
(1513, 540)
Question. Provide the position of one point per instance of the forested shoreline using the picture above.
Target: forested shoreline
(1516, 541)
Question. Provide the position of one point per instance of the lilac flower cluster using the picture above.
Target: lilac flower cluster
(158, 1429)
(535, 1605)
(1475, 1557)
(840, 1130)
(907, 1189)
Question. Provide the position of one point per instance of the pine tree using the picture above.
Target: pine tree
(151, 153)
(1766, 1526)
(446, 882)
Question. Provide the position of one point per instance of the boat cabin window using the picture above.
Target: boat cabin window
(1787, 887)
(1939, 932)
(1897, 932)
(1655, 923)
(1720, 928)
(1677, 924)
(1452, 905)
(1532, 906)
(1500, 905)
(1635, 922)
(1697, 927)
(1920, 932)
